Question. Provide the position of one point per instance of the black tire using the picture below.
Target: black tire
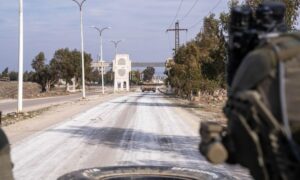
(143, 173)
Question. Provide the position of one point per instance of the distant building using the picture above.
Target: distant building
(98, 66)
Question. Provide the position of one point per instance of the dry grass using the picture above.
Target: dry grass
(9, 90)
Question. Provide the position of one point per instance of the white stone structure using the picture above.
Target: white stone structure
(121, 68)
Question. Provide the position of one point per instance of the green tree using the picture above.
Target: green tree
(213, 47)
(95, 76)
(63, 63)
(68, 64)
(200, 64)
(38, 63)
(4, 72)
(148, 73)
(28, 76)
(193, 70)
(45, 75)
(13, 75)
(135, 77)
(185, 74)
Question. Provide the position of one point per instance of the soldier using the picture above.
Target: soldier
(5, 161)
(263, 129)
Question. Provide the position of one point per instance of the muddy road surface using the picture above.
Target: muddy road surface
(137, 129)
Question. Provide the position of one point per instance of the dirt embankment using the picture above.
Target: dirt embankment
(9, 90)
(208, 106)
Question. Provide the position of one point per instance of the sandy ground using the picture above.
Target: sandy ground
(136, 129)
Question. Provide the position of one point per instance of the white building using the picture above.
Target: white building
(121, 69)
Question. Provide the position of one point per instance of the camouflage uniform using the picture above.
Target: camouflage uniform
(5, 161)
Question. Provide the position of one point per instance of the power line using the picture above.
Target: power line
(212, 9)
(190, 10)
(178, 10)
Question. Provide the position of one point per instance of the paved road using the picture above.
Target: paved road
(138, 129)
(8, 106)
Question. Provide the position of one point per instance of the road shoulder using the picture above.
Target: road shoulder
(53, 116)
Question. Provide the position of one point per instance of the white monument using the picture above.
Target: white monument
(121, 68)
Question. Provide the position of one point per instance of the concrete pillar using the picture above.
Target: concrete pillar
(74, 84)
(122, 86)
(116, 86)
(127, 86)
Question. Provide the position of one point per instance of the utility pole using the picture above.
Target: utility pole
(101, 53)
(21, 58)
(177, 35)
(82, 46)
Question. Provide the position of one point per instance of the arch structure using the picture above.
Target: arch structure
(121, 69)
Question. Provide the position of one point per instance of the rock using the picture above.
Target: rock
(13, 114)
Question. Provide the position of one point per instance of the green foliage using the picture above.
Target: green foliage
(186, 71)
(200, 65)
(209, 86)
(68, 64)
(148, 73)
(109, 77)
(65, 64)
(28, 76)
(4, 72)
(96, 76)
(38, 63)
(135, 77)
(13, 76)
(45, 75)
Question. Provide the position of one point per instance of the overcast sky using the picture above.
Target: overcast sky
(54, 24)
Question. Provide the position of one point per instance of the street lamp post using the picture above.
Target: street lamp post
(116, 43)
(101, 53)
(21, 58)
(80, 4)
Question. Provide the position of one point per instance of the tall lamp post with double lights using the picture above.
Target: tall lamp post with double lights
(21, 58)
(80, 5)
(116, 43)
(101, 53)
